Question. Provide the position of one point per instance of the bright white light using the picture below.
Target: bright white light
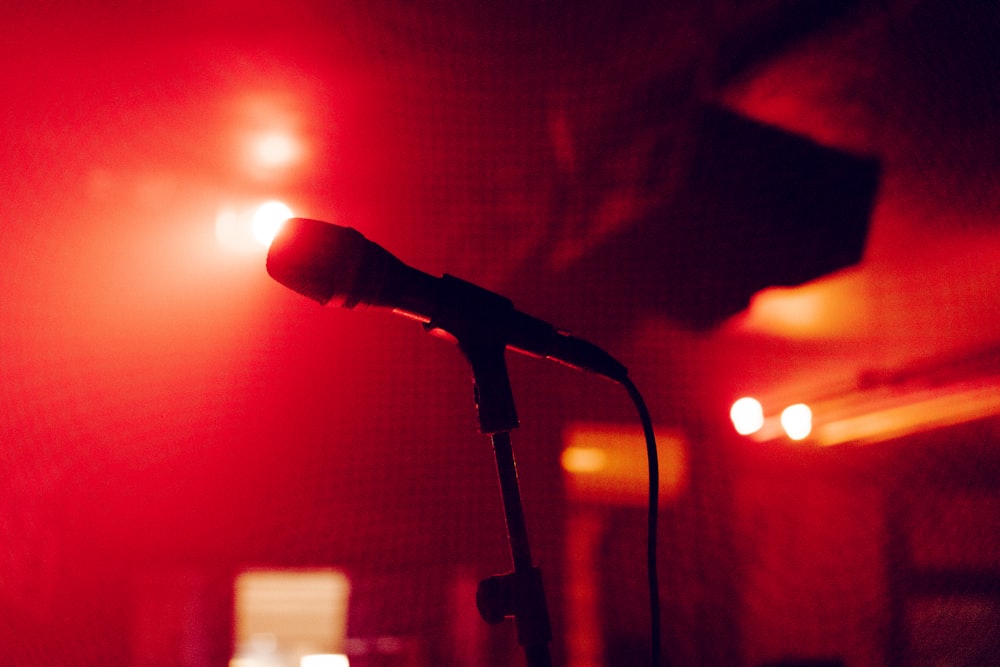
(797, 421)
(276, 149)
(747, 415)
(324, 660)
(267, 220)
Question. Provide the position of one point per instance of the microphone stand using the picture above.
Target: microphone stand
(517, 594)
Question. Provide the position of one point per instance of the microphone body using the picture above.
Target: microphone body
(339, 266)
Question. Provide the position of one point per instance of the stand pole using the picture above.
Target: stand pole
(518, 594)
(481, 327)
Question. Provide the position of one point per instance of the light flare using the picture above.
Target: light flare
(275, 149)
(268, 219)
(324, 660)
(747, 415)
(247, 229)
(797, 421)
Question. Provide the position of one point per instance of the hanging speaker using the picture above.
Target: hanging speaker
(751, 207)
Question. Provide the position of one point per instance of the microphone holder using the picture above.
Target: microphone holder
(518, 594)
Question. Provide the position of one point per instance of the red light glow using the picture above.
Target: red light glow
(603, 463)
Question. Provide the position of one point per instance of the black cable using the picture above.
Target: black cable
(652, 519)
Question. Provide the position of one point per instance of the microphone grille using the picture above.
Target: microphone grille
(318, 260)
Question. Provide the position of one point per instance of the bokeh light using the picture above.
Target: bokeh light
(747, 415)
(324, 660)
(267, 220)
(275, 149)
(797, 421)
(248, 228)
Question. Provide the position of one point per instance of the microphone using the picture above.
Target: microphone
(338, 265)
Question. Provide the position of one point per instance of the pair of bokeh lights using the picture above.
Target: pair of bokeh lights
(747, 415)
(249, 227)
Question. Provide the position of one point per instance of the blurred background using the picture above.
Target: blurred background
(789, 201)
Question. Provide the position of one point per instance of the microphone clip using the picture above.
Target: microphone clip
(479, 320)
